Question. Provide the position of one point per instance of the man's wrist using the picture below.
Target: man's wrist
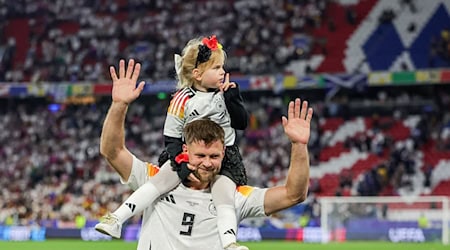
(299, 146)
(120, 104)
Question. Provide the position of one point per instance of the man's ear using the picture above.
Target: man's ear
(184, 148)
(197, 74)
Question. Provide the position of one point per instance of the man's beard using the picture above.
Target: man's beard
(205, 178)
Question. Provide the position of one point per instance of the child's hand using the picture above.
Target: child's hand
(191, 176)
(227, 84)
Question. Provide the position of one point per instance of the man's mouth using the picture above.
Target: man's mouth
(206, 169)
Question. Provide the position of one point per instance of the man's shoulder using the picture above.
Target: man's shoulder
(245, 190)
(249, 201)
(245, 193)
(150, 168)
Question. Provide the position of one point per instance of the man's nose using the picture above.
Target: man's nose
(207, 162)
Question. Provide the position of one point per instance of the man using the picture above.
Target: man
(185, 217)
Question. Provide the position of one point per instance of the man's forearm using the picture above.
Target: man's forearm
(297, 182)
(295, 189)
(112, 139)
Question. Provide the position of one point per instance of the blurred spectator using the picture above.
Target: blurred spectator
(303, 220)
(410, 4)
(350, 14)
(80, 220)
(427, 181)
(422, 221)
(387, 16)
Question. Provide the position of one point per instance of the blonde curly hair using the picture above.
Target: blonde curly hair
(187, 62)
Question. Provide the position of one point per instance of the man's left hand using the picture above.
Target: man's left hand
(297, 124)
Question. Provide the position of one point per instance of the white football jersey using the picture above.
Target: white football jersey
(185, 218)
(188, 105)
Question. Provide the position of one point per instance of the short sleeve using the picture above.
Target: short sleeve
(140, 173)
(250, 201)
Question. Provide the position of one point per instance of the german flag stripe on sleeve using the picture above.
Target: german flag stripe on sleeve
(152, 169)
(245, 190)
(178, 102)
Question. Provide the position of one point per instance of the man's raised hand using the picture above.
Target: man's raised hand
(297, 124)
(124, 87)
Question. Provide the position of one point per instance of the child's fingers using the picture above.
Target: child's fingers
(226, 86)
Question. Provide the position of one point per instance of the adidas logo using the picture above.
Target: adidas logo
(194, 113)
(131, 206)
(230, 231)
(169, 198)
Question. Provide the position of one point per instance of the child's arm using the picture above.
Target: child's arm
(174, 123)
(236, 109)
(174, 146)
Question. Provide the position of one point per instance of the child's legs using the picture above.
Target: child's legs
(233, 167)
(145, 195)
(223, 191)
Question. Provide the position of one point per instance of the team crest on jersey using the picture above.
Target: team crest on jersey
(212, 209)
(219, 103)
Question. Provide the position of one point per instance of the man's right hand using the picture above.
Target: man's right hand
(124, 87)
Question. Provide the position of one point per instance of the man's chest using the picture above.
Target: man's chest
(187, 218)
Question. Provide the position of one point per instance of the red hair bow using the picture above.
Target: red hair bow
(183, 157)
(211, 42)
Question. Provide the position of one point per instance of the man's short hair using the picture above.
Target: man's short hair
(203, 130)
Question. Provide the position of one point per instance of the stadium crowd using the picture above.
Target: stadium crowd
(51, 169)
(77, 40)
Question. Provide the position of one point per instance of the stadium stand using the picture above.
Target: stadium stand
(365, 141)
